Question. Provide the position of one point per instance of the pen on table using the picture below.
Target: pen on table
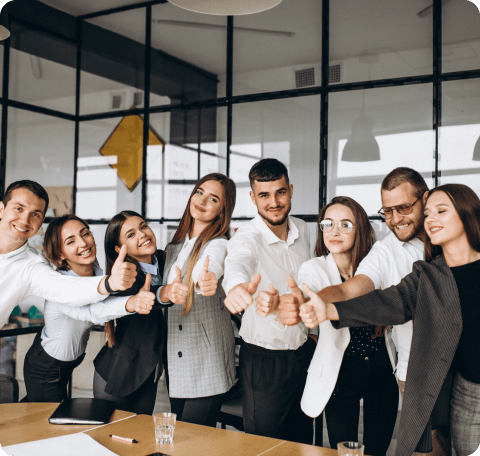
(123, 439)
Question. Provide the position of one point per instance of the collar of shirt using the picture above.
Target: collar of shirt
(270, 236)
(150, 268)
(19, 251)
(97, 270)
(414, 242)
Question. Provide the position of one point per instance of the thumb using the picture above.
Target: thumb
(308, 292)
(148, 282)
(205, 266)
(178, 274)
(122, 254)
(271, 289)
(295, 290)
(253, 284)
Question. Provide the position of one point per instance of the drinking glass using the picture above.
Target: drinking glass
(164, 426)
(350, 449)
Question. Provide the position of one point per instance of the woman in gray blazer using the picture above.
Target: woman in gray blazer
(200, 341)
(441, 296)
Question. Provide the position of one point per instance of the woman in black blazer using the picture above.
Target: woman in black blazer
(128, 367)
(441, 296)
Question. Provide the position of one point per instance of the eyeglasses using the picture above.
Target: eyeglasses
(344, 226)
(402, 209)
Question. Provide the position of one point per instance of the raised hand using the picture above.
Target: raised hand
(267, 301)
(241, 295)
(123, 273)
(314, 312)
(207, 282)
(144, 300)
(177, 291)
(289, 304)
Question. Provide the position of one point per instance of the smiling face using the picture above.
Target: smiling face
(139, 239)
(405, 227)
(273, 200)
(78, 244)
(335, 241)
(207, 202)
(21, 218)
(442, 222)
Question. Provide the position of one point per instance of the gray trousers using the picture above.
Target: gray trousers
(465, 416)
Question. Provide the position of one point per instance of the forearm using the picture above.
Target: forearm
(98, 313)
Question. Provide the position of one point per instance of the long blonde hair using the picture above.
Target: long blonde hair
(219, 226)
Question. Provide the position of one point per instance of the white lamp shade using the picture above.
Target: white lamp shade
(226, 7)
(362, 145)
(4, 33)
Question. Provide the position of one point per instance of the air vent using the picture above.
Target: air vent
(138, 99)
(117, 100)
(334, 74)
(305, 78)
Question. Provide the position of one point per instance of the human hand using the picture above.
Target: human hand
(289, 304)
(267, 301)
(123, 273)
(314, 312)
(240, 296)
(144, 300)
(207, 281)
(177, 291)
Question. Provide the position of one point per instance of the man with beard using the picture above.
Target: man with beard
(273, 358)
(389, 261)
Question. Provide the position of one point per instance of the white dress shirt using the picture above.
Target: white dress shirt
(67, 329)
(25, 273)
(389, 261)
(216, 250)
(255, 249)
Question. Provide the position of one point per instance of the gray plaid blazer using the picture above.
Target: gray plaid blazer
(200, 345)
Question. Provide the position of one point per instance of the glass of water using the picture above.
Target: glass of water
(164, 426)
(350, 449)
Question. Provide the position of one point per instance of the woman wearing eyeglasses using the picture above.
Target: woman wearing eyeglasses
(349, 364)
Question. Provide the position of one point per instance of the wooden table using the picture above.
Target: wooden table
(27, 422)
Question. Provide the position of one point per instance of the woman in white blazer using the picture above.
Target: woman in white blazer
(348, 365)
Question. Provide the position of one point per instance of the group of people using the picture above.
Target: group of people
(408, 323)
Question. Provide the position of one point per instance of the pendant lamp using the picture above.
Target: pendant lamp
(362, 145)
(4, 21)
(226, 7)
(476, 151)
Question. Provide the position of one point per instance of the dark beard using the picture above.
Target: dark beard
(415, 234)
(273, 222)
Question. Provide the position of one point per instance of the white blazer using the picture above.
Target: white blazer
(319, 273)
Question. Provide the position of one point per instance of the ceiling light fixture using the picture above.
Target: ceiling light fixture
(226, 7)
(476, 151)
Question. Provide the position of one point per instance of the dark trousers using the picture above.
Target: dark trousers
(198, 410)
(272, 387)
(46, 378)
(377, 386)
(141, 401)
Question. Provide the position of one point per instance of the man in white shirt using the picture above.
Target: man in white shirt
(24, 273)
(391, 259)
(273, 358)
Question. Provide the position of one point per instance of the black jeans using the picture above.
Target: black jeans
(358, 379)
(141, 401)
(272, 387)
(46, 378)
(198, 410)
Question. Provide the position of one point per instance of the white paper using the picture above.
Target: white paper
(78, 444)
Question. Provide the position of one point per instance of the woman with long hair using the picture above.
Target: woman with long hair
(441, 296)
(128, 367)
(201, 342)
(349, 365)
(60, 347)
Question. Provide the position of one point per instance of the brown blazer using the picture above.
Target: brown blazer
(429, 297)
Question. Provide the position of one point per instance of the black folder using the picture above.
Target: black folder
(82, 411)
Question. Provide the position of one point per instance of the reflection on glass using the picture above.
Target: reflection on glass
(460, 36)
(459, 155)
(402, 128)
(287, 44)
(378, 40)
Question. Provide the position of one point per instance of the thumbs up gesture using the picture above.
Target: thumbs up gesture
(144, 300)
(289, 305)
(241, 295)
(267, 301)
(314, 312)
(207, 281)
(123, 273)
(177, 291)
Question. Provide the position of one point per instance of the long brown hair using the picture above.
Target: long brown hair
(52, 242)
(364, 233)
(467, 205)
(112, 240)
(219, 226)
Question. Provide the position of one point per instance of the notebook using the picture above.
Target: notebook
(82, 411)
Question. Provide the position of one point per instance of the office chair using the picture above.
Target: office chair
(8, 389)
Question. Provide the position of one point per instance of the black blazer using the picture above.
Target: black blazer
(429, 297)
(138, 345)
